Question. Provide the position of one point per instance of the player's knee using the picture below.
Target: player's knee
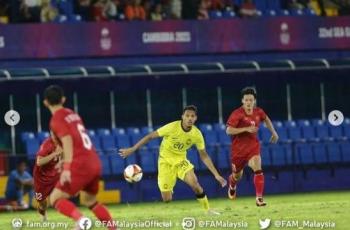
(167, 197)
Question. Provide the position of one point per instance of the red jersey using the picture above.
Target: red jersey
(245, 144)
(46, 174)
(66, 122)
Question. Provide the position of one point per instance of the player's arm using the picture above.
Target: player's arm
(269, 125)
(128, 151)
(234, 131)
(67, 145)
(205, 158)
(40, 161)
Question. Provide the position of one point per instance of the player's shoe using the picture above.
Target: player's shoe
(212, 212)
(260, 202)
(43, 215)
(231, 192)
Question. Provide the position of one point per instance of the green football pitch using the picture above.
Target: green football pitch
(322, 210)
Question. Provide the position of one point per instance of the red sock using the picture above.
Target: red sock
(67, 208)
(232, 182)
(102, 214)
(259, 183)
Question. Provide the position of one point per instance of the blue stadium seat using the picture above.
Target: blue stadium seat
(264, 134)
(31, 146)
(215, 14)
(321, 129)
(305, 154)
(269, 12)
(294, 133)
(223, 159)
(296, 12)
(148, 161)
(95, 140)
(228, 14)
(132, 130)
(282, 12)
(146, 130)
(27, 135)
(103, 132)
(224, 139)
(106, 168)
(334, 153)
(107, 140)
(288, 149)
(303, 122)
(211, 139)
(320, 153)
(132, 159)
(205, 127)
(309, 133)
(289, 124)
(42, 136)
(118, 131)
(309, 12)
(274, 4)
(219, 127)
(135, 138)
(278, 155)
(265, 156)
(282, 133)
(336, 132)
(345, 150)
(346, 127)
(193, 157)
(122, 141)
(117, 164)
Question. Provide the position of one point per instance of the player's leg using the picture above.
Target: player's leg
(237, 164)
(190, 178)
(166, 180)
(99, 210)
(255, 164)
(30, 191)
(42, 207)
(232, 181)
(59, 200)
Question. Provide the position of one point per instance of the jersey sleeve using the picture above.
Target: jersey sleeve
(233, 120)
(27, 176)
(200, 143)
(45, 149)
(165, 130)
(262, 114)
(59, 126)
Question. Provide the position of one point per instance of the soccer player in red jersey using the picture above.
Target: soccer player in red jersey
(243, 125)
(81, 170)
(45, 174)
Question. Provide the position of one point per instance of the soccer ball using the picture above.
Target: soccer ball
(133, 173)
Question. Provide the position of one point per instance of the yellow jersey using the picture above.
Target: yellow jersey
(176, 141)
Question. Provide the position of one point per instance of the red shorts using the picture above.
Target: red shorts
(239, 162)
(43, 190)
(85, 176)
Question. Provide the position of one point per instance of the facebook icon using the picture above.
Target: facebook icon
(85, 223)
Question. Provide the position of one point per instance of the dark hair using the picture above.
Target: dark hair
(19, 163)
(248, 91)
(191, 108)
(54, 94)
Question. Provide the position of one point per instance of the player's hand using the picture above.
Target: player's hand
(65, 177)
(221, 180)
(252, 129)
(58, 150)
(274, 138)
(126, 152)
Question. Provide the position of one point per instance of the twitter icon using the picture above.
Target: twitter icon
(264, 224)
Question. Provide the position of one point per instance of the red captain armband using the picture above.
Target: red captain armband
(66, 166)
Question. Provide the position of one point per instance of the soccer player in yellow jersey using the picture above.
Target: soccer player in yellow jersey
(178, 137)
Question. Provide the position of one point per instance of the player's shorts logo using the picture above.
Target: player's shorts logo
(38, 196)
(85, 223)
